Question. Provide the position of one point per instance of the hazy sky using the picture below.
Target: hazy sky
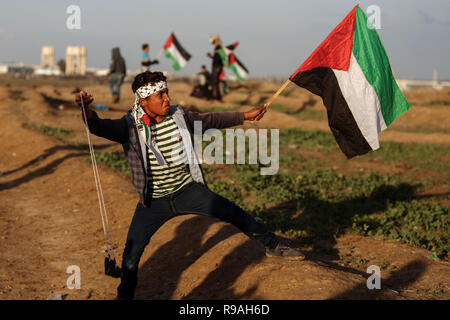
(275, 36)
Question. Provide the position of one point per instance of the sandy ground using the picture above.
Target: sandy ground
(49, 220)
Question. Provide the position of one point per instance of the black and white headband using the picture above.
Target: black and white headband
(149, 89)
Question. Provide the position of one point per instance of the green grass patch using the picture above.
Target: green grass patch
(436, 103)
(17, 95)
(280, 108)
(243, 103)
(424, 129)
(114, 159)
(78, 145)
(56, 132)
(311, 139)
(286, 92)
(311, 115)
(315, 205)
(301, 113)
(423, 156)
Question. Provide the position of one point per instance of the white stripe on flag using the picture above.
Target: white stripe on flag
(240, 70)
(176, 54)
(363, 102)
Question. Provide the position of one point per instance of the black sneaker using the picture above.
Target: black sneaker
(285, 252)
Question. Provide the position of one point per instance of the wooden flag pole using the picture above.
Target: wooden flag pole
(159, 53)
(271, 99)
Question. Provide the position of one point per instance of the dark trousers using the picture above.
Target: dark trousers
(115, 81)
(206, 93)
(215, 84)
(192, 199)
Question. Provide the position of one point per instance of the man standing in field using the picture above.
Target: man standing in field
(117, 72)
(157, 139)
(217, 66)
(146, 62)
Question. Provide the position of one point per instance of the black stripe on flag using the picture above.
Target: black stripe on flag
(180, 49)
(240, 63)
(322, 82)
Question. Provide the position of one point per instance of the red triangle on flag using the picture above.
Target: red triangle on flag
(168, 42)
(335, 51)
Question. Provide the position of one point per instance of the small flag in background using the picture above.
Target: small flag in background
(351, 72)
(175, 52)
(234, 64)
(230, 60)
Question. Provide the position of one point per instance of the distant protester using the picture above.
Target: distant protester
(117, 72)
(146, 62)
(217, 66)
(203, 88)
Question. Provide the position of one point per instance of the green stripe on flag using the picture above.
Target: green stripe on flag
(223, 55)
(233, 67)
(372, 58)
(176, 65)
(146, 129)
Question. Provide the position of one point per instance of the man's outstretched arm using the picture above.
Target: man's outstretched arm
(221, 120)
(115, 130)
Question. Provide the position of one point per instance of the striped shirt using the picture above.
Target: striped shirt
(167, 178)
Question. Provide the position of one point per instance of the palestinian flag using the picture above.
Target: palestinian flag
(234, 64)
(350, 71)
(175, 52)
(230, 60)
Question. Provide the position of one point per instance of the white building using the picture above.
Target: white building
(76, 60)
(3, 68)
(47, 57)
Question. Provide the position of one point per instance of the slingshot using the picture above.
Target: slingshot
(111, 267)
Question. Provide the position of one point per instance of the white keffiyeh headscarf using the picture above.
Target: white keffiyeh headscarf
(143, 121)
(144, 92)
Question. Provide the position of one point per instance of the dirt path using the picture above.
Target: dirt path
(49, 220)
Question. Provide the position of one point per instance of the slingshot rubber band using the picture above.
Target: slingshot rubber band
(101, 201)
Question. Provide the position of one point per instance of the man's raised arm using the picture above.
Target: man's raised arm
(115, 130)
